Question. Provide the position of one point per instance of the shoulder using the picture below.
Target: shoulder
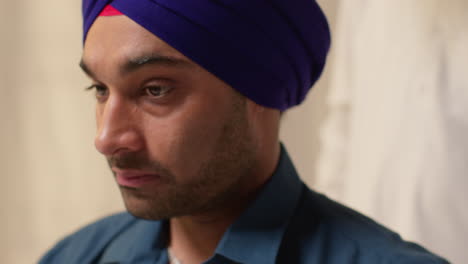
(87, 243)
(328, 232)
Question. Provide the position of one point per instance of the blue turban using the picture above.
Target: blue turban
(271, 51)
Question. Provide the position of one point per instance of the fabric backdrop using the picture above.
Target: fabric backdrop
(395, 141)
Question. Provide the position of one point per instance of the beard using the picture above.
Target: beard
(219, 182)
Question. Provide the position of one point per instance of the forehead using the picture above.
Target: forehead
(118, 38)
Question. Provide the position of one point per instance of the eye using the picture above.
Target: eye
(100, 90)
(157, 91)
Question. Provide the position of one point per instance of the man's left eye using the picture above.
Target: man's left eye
(157, 91)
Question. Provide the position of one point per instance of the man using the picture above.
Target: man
(189, 97)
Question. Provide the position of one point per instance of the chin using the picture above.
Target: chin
(144, 207)
(145, 211)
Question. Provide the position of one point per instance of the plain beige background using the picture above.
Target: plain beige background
(53, 181)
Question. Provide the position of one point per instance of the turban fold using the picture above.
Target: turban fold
(271, 51)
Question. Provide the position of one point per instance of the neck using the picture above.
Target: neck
(194, 238)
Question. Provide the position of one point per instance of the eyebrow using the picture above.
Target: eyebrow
(136, 63)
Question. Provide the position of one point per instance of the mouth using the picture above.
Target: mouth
(134, 178)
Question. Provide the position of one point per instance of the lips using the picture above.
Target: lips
(134, 179)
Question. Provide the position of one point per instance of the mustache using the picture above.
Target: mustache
(138, 161)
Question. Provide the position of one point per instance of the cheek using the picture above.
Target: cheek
(187, 139)
(183, 143)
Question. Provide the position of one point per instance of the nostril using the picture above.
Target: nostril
(106, 139)
(117, 127)
(102, 144)
(108, 142)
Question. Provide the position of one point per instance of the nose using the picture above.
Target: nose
(117, 127)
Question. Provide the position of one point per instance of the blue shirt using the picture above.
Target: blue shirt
(286, 224)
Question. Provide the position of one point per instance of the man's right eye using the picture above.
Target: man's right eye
(100, 90)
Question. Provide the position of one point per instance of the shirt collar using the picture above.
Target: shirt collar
(256, 236)
(143, 240)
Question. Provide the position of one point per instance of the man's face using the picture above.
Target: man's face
(177, 138)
